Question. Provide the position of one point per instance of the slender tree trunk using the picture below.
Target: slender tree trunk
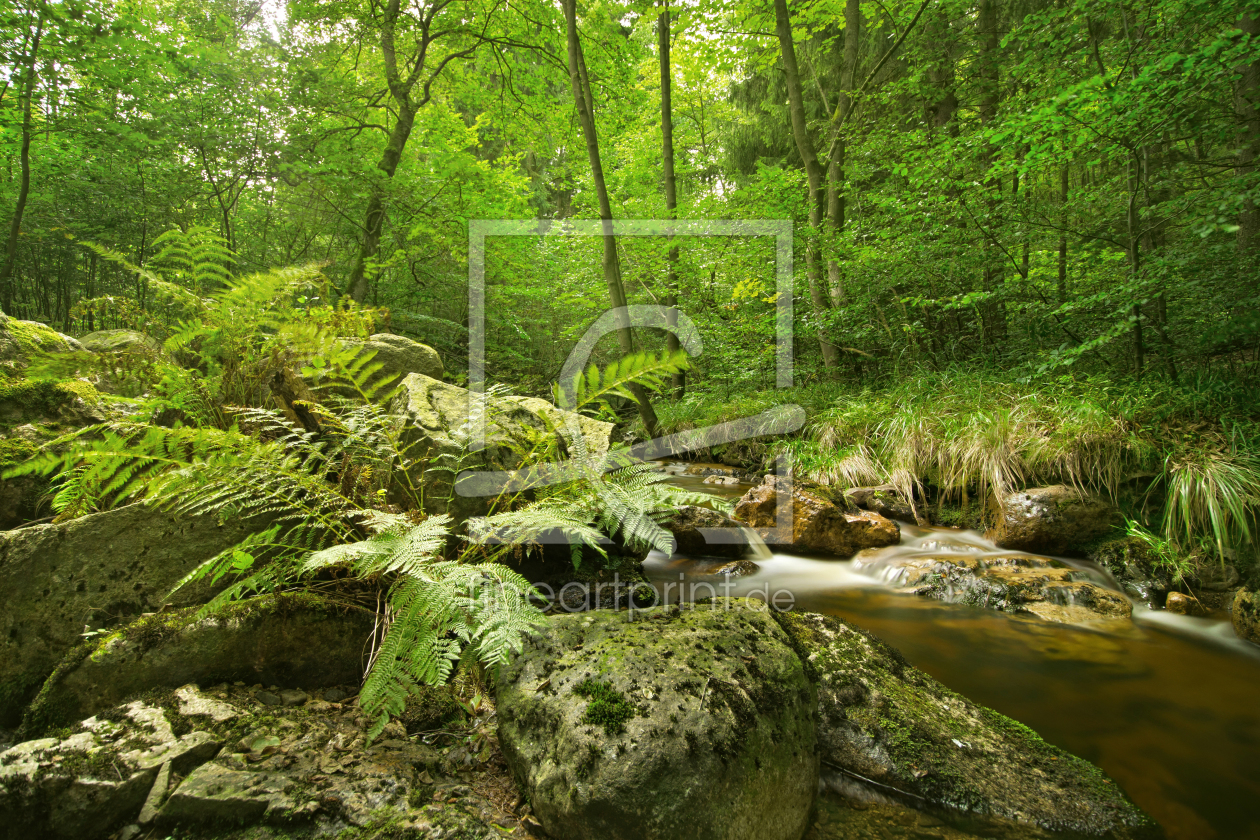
(1247, 107)
(24, 185)
(835, 167)
(671, 189)
(1133, 222)
(375, 217)
(583, 99)
(1063, 242)
(814, 175)
(993, 279)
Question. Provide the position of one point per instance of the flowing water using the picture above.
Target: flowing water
(1168, 705)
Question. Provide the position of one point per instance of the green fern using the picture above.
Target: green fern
(595, 387)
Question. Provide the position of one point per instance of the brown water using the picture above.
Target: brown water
(1169, 706)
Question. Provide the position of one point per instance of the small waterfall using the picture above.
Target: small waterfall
(758, 551)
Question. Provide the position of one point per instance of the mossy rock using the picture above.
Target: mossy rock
(703, 725)
(98, 570)
(881, 720)
(1136, 568)
(435, 415)
(298, 641)
(71, 402)
(1052, 520)
(116, 341)
(19, 340)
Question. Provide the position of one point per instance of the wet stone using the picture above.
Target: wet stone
(1184, 604)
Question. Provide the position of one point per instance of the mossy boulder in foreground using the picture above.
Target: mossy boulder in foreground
(298, 641)
(98, 570)
(884, 722)
(674, 723)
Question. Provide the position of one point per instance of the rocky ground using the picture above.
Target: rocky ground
(262, 761)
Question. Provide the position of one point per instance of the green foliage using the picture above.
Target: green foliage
(1166, 554)
(969, 434)
(595, 386)
(607, 707)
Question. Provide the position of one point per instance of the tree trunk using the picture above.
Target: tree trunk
(835, 167)
(993, 279)
(24, 185)
(375, 217)
(1247, 107)
(583, 99)
(814, 174)
(1063, 243)
(1133, 223)
(671, 190)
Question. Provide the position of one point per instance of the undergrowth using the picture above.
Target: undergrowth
(1194, 448)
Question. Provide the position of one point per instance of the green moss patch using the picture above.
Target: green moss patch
(607, 708)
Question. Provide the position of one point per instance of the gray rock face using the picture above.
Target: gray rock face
(881, 720)
(694, 723)
(818, 526)
(286, 641)
(84, 785)
(1052, 520)
(400, 356)
(704, 532)
(94, 570)
(438, 429)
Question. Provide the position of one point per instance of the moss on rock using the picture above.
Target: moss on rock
(882, 720)
(721, 744)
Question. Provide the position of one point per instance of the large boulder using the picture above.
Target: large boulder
(441, 443)
(121, 341)
(399, 356)
(20, 340)
(882, 721)
(298, 641)
(1052, 520)
(1245, 614)
(305, 769)
(95, 571)
(82, 785)
(662, 723)
(818, 526)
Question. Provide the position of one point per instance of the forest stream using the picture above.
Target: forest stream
(1165, 704)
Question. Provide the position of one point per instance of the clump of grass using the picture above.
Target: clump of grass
(1165, 554)
(968, 432)
(607, 707)
(1212, 492)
